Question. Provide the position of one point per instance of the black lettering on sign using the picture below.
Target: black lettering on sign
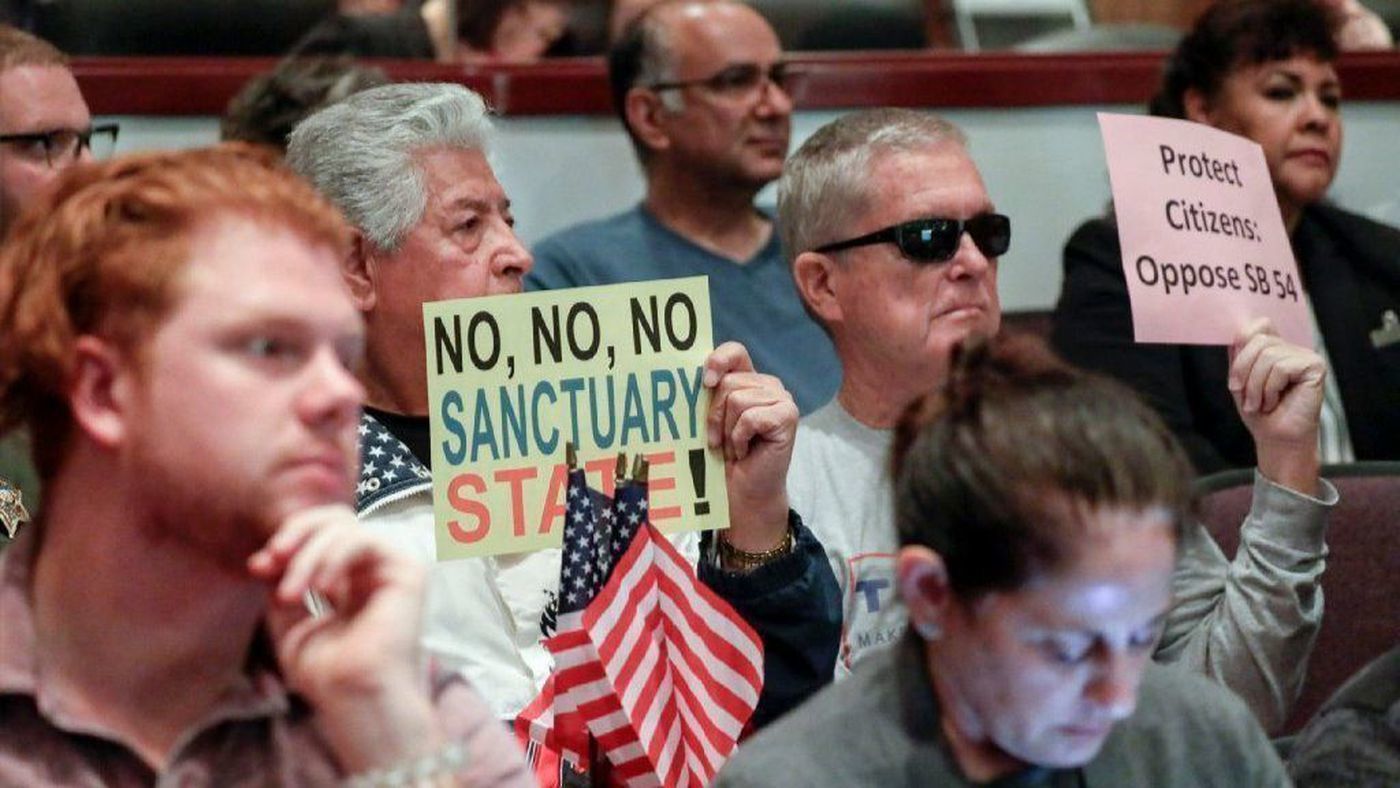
(546, 332)
(480, 360)
(449, 343)
(679, 342)
(584, 352)
(645, 322)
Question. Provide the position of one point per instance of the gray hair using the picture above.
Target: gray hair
(657, 61)
(824, 188)
(361, 152)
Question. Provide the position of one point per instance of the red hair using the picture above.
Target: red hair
(102, 254)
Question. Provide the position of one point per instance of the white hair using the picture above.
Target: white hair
(361, 153)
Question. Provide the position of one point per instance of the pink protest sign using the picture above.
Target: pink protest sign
(1204, 249)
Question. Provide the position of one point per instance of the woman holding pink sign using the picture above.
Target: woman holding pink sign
(1262, 69)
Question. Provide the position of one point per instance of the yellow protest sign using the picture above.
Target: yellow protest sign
(611, 369)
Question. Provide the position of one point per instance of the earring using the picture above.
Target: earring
(928, 630)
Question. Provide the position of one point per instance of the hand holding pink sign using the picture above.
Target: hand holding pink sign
(1204, 247)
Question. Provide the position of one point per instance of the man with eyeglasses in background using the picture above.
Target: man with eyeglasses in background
(701, 89)
(44, 127)
(894, 242)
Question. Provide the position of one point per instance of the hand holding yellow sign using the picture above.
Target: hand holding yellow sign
(511, 379)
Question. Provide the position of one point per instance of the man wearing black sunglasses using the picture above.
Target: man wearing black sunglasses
(894, 244)
(703, 92)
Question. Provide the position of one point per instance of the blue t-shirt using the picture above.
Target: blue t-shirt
(755, 303)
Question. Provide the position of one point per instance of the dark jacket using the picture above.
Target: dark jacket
(1350, 267)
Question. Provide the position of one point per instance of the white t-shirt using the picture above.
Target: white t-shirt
(839, 482)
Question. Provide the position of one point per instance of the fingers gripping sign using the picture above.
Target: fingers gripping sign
(752, 421)
(1278, 389)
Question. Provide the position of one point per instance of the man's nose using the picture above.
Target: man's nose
(773, 99)
(969, 261)
(511, 258)
(333, 394)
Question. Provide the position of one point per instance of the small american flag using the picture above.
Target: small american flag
(660, 669)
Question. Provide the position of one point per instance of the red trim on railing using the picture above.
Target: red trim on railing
(203, 86)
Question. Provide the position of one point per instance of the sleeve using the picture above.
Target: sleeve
(1250, 623)
(1093, 329)
(1348, 747)
(555, 268)
(493, 757)
(794, 605)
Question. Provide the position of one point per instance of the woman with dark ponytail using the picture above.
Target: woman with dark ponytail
(1040, 511)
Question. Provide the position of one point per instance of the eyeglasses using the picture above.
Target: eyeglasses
(936, 240)
(738, 79)
(62, 147)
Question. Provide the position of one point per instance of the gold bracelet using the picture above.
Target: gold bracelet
(733, 558)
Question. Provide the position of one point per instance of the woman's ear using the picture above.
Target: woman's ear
(1197, 106)
(923, 584)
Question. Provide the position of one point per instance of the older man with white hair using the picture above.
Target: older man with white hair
(407, 164)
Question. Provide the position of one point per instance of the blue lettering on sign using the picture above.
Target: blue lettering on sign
(871, 589)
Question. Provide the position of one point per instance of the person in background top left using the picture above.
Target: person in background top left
(45, 127)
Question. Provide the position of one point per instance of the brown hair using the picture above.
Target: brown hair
(102, 253)
(1231, 34)
(271, 104)
(18, 48)
(996, 470)
(477, 21)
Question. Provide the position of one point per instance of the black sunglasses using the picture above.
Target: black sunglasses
(738, 78)
(936, 240)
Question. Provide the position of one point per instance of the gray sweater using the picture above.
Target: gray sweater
(880, 728)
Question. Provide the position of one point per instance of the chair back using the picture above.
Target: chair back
(1361, 583)
(1030, 15)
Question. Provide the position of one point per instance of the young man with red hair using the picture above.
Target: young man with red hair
(181, 347)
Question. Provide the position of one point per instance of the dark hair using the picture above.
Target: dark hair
(1235, 33)
(638, 41)
(477, 20)
(997, 470)
(271, 104)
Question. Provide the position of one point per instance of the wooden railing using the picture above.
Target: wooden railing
(203, 86)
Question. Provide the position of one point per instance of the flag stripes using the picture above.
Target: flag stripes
(660, 670)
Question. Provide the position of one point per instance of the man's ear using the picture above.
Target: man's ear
(815, 275)
(645, 114)
(361, 271)
(1197, 107)
(923, 585)
(100, 391)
